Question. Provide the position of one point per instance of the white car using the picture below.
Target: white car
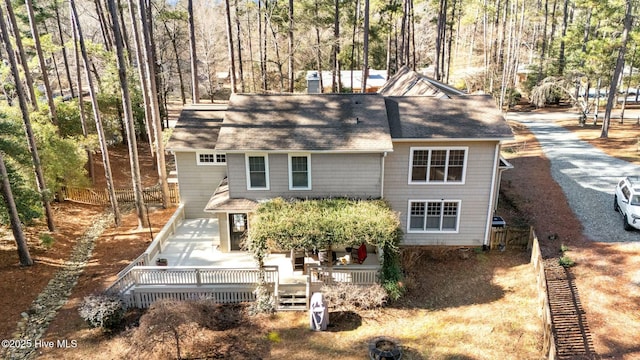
(627, 201)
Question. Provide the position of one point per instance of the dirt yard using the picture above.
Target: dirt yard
(484, 307)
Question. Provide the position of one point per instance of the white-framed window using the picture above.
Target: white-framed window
(437, 165)
(211, 158)
(257, 171)
(299, 172)
(433, 216)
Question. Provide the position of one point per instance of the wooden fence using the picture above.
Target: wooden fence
(549, 342)
(509, 237)
(150, 195)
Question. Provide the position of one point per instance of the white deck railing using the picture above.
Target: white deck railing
(142, 285)
(204, 275)
(353, 274)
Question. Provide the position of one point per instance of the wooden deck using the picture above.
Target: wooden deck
(196, 268)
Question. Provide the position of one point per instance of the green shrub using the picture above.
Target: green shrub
(47, 240)
(102, 310)
(566, 261)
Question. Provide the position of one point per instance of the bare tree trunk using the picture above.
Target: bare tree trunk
(250, 41)
(440, 28)
(42, 187)
(356, 17)
(544, 40)
(125, 36)
(291, 75)
(104, 26)
(14, 218)
(128, 118)
(628, 22)
(403, 32)
(195, 92)
(336, 86)
(263, 46)
(64, 50)
(83, 121)
(561, 56)
(142, 60)
(365, 48)
(174, 45)
(319, 46)
(153, 102)
(96, 114)
(412, 36)
(239, 34)
(43, 65)
(23, 57)
(232, 60)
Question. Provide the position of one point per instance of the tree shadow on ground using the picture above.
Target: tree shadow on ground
(440, 280)
(343, 321)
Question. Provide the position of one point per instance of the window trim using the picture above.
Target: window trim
(430, 149)
(215, 158)
(248, 173)
(290, 171)
(424, 230)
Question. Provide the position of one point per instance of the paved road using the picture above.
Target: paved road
(586, 174)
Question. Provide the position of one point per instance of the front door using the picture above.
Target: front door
(237, 230)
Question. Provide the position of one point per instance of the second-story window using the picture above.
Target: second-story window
(257, 172)
(299, 172)
(437, 165)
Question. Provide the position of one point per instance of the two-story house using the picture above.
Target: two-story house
(435, 160)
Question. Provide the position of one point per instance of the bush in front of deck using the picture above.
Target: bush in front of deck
(102, 310)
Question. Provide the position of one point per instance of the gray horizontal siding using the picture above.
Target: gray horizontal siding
(474, 194)
(332, 175)
(197, 183)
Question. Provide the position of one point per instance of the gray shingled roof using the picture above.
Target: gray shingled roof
(319, 122)
(197, 128)
(407, 82)
(460, 117)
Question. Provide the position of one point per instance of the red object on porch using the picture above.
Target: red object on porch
(362, 253)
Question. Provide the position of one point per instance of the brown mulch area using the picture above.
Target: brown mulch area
(19, 286)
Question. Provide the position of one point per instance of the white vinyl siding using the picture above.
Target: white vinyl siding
(437, 165)
(210, 158)
(474, 194)
(433, 216)
(331, 175)
(257, 171)
(299, 172)
(197, 183)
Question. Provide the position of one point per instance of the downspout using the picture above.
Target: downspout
(384, 155)
(496, 160)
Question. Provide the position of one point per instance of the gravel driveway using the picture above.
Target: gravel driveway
(586, 174)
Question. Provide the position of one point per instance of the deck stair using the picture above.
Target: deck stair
(292, 295)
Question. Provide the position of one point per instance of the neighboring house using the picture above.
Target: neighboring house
(407, 82)
(435, 159)
(348, 79)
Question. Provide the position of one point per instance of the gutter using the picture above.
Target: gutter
(496, 160)
(384, 155)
